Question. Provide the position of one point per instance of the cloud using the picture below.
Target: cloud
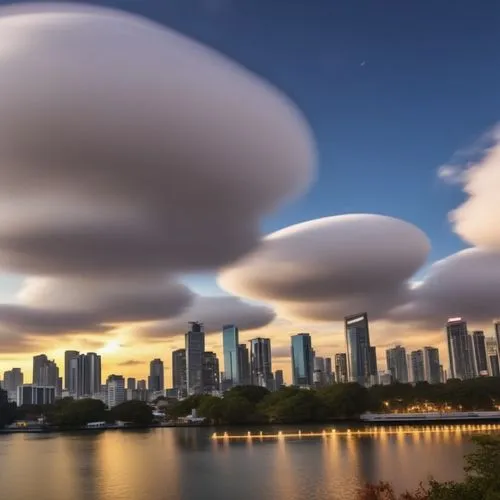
(465, 284)
(214, 312)
(131, 362)
(476, 220)
(327, 268)
(280, 352)
(142, 150)
(452, 174)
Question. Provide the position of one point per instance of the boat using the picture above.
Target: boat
(452, 416)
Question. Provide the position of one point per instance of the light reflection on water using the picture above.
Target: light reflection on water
(185, 463)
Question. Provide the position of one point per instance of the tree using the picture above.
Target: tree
(79, 413)
(7, 410)
(135, 412)
(252, 393)
(345, 400)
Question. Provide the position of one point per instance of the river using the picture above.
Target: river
(186, 463)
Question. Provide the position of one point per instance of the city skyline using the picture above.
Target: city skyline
(332, 209)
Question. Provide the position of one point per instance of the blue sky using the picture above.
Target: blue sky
(391, 90)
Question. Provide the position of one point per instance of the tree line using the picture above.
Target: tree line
(291, 405)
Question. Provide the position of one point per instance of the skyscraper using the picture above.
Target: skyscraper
(179, 371)
(278, 380)
(302, 360)
(115, 390)
(319, 375)
(131, 384)
(68, 356)
(359, 353)
(492, 357)
(12, 379)
(211, 380)
(244, 364)
(195, 347)
(261, 372)
(230, 342)
(496, 325)
(459, 349)
(417, 365)
(156, 381)
(432, 367)
(328, 370)
(396, 364)
(341, 375)
(38, 363)
(141, 385)
(48, 374)
(480, 360)
(93, 373)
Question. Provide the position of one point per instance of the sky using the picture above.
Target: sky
(391, 109)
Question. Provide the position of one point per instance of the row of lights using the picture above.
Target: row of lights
(365, 432)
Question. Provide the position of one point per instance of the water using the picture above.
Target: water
(185, 463)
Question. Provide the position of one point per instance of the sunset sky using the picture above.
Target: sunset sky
(327, 158)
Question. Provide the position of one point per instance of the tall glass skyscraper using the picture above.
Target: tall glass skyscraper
(359, 353)
(341, 376)
(261, 371)
(211, 380)
(397, 364)
(480, 360)
(156, 379)
(244, 364)
(417, 365)
(302, 360)
(68, 356)
(230, 342)
(492, 357)
(459, 349)
(179, 371)
(432, 367)
(195, 347)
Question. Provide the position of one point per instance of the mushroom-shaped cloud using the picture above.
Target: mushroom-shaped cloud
(327, 268)
(125, 145)
(476, 220)
(214, 312)
(63, 305)
(465, 284)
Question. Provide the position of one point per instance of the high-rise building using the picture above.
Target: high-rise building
(141, 385)
(319, 375)
(179, 371)
(373, 365)
(115, 390)
(396, 364)
(195, 347)
(496, 325)
(341, 375)
(211, 380)
(230, 342)
(131, 384)
(302, 360)
(459, 349)
(328, 370)
(492, 357)
(417, 365)
(480, 360)
(48, 374)
(12, 379)
(278, 380)
(359, 353)
(244, 364)
(432, 371)
(261, 371)
(38, 363)
(85, 375)
(68, 356)
(93, 373)
(156, 381)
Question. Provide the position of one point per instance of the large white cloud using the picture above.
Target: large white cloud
(327, 268)
(213, 312)
(126, 146)
(465, 284)
(476, 220)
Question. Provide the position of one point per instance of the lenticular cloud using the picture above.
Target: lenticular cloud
(127, 146)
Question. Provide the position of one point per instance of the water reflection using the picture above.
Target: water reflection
(185, 463)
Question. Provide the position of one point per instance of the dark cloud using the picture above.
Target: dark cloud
(214, 312)
(142, 150)
(280, 352)
(327, 268)
(131, 362)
